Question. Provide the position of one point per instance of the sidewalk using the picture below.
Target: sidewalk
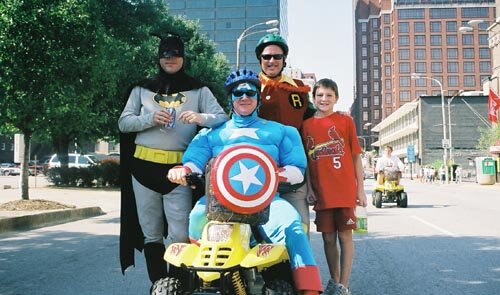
(87, 202)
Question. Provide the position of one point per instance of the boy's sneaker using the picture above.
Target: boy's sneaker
(331, 288)
(341, 290)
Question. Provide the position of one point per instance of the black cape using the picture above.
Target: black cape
(131, 236)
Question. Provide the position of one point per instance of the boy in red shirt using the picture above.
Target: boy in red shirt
(335, 182)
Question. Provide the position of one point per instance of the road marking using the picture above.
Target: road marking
(434, 226)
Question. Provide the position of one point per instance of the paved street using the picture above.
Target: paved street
(446, 242)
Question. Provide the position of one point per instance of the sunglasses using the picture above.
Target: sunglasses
(269, 56)
(248, 93)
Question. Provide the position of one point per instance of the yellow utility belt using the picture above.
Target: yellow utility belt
(157, 156)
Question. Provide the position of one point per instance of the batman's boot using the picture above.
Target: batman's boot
(157, 268)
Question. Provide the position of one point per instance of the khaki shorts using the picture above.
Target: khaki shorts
(335, 219)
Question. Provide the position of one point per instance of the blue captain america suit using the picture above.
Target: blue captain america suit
(284, 145)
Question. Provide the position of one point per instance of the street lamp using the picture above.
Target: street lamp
(449, 126)
(470, 25)
(245, 34)
(445, 143)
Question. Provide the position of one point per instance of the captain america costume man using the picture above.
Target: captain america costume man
(284, 145)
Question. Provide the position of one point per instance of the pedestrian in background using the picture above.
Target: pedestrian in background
(335, 182)
(164, 113)
(458, 174)
(442, 174)
(286, 101)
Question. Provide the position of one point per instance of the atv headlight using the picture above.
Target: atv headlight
(219, 232)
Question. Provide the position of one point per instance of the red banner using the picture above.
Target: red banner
(493, 106)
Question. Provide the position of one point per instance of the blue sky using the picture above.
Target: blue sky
(320, 36)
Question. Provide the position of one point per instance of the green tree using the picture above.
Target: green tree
(66, 65)
(489, 136)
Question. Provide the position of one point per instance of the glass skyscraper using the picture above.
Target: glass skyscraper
(224, 20)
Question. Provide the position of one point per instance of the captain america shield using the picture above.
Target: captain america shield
(244, 179)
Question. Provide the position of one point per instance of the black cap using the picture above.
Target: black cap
(171, 46)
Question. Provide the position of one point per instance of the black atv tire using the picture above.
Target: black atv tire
(378, 199)
(404, 200)
(167, 286)
(278, 287)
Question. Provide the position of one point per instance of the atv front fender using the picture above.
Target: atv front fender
(181, 253)
(265, 255)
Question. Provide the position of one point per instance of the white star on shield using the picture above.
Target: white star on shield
(247, 176)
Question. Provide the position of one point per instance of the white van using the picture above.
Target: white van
(74, 160)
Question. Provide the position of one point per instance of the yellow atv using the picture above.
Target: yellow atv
(227, 260)
(388, 190)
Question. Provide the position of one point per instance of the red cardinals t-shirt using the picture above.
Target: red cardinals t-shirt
(330, 144)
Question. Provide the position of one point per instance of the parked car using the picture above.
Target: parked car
(74, 160)
(9, 169)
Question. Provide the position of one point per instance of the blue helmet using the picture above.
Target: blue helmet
(241, 76)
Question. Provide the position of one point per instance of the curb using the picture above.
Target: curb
(34, 221)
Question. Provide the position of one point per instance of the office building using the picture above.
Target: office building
(224, 20)
(395, 38)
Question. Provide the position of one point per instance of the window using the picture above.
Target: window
(436, 67)
(365, 89)
(387, 18)
(376, 74)
(387, 58)
(483, 39)
(468, 53)
(375, 36)
(375, 23)
(442, 12)
(403, 27)
(452, 67)
(419, 93)
(404, 54)
(365, 116)
(365, 77)
(375, 48)
(419, 27)
(376, 61)
(404, 40)
(420, 67)
(419, 40)
(420, 82)
(404, 96)
(2, 146)
(436, 53)
(451, 26)
(388, 98)
(376, 114)
(363, 27)
(469, 81)
(363, 39)
(420, 54)
(364, 64)
(404, 81)
(388, 71)
(484, 67)
(376, 100)
(388, 111)
(387, 32)
(484, 53)
(468, 67)
(436, 40)
(365, 102)
(388, 84)
(415, 13)
(364, 51)
(451, 40)
(452, 81)
(452, 53)
(387, 44)
(467, 39)
(404, 67)
(435, 27)
(471, 12)
(376, 86)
